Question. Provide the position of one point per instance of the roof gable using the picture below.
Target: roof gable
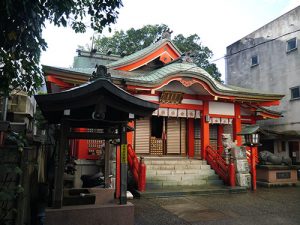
(164, 49)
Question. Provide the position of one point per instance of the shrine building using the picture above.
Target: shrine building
(194, 109)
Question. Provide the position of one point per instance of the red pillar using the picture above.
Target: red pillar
(253, 167)
(237, 124)
(254, 154)
(191, 137)
(204, 130)
(220, 144)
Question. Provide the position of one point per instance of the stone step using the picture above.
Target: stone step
(175, 162)
(182, 177)
(215, 182)
(175, 172)
(168, 183)
(164, 172)
(177, 191)
(177, 167)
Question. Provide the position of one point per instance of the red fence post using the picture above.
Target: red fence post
(231, 174)
(142, 175)
(253, 167)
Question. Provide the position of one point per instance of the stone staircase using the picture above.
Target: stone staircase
(167, 172)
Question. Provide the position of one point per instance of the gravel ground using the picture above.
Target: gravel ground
(266, 206)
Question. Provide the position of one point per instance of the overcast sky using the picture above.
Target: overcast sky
(219, 23)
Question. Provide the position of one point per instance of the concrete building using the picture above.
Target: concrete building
(268, 59)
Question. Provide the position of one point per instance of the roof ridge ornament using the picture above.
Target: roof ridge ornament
(167, 34)
(101, 72)
(187, 57)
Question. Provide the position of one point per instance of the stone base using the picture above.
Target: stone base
(267, 184)
(273, 175)
(91, 214)
(90, 196)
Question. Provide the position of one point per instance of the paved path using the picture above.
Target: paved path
(274, 206)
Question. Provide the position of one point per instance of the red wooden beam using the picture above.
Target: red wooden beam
(58, 82)
(271, 103)
(237, 125)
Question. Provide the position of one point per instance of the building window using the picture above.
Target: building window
(254, 60)
(291, 45)
(295, 92)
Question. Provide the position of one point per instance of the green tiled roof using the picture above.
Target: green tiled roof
(190, 70)
(81, 71)
(157, 76)
(139, 54)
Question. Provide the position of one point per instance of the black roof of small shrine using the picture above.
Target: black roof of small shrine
(83, 101)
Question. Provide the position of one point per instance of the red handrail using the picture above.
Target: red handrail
(225, 171)
(137, 168)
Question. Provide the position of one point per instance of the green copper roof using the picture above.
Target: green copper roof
(190, 70)
(140, 54)
(80, 71)
(155, 77)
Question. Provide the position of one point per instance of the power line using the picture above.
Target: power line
(264, 42)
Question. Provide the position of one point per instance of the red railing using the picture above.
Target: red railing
(137, 168)
(248, 153)
(253, 160)
(224, 170)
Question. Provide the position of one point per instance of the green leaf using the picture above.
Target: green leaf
(21, 41)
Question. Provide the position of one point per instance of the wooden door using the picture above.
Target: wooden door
(173, 136)
(142, 135)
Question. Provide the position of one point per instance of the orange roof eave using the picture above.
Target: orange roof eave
(258, 101)
(163, 50)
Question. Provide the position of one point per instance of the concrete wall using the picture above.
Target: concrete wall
(277, 71)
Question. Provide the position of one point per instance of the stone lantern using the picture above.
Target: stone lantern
(251, 135)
